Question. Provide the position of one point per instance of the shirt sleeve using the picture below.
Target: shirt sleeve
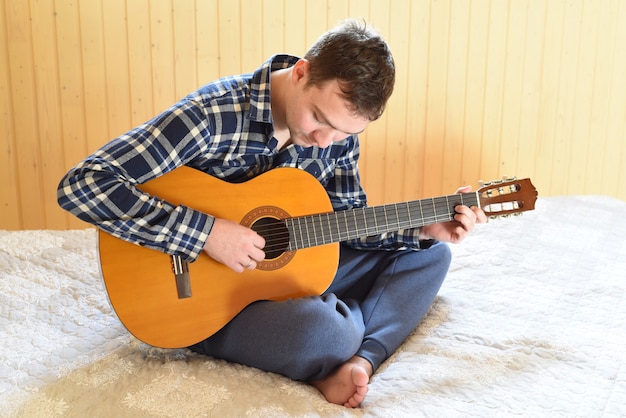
(345, 193)
(102, 189)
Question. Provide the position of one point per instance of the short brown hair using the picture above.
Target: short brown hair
(360, 59)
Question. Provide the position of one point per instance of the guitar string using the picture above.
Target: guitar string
(277, 240)
(314, 226)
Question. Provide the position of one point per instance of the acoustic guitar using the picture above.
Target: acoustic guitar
(166, 302)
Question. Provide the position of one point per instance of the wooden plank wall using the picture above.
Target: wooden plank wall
(484, 88)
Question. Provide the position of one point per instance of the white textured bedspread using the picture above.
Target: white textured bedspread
(530, 322)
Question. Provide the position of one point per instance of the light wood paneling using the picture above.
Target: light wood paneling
(9, 182)
(484, 88)
(25, 120)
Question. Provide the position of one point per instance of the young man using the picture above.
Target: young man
(298, 112)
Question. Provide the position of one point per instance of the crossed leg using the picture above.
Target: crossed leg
(337, 340)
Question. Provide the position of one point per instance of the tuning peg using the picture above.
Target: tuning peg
(504, 179)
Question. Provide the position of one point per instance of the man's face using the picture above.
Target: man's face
(318, 116)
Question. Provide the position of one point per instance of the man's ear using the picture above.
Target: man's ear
(300, 71)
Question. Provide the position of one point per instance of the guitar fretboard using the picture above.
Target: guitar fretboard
(325, 228)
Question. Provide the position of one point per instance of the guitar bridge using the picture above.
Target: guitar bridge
(181, 273)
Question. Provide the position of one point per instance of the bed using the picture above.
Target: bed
(531, 321)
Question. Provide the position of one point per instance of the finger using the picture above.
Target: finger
(465, 211)
(464, 189)
(464, 225)
(257, 255)
(236, 267)
(481, 217)
(466, 217)
(250, 265)
(258, 241)
(461, 233)
(458, 234)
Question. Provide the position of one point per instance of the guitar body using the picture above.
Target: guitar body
(141, 284)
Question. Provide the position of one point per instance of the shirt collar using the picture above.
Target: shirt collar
(260, 106)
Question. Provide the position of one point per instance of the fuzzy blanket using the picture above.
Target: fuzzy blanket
(530, 322)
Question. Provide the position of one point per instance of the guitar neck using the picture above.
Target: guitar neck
(326, 228)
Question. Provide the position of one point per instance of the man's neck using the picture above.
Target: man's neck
(279, 81)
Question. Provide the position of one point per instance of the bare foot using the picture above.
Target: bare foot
(347, 385)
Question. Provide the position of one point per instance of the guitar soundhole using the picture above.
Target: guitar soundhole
(276, 236)
(268, 222)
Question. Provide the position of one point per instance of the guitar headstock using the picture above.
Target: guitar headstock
(507, 197)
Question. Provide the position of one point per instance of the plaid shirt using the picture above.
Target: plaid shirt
(224, 129)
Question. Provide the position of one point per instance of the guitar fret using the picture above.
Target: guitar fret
(313, 230)
(397, 216)
(376, 213)
(385, 218)
(388, 219)
(330, 232)
(291, 227)
(335, 226)
(319, 232)
(364, 225)
(446, 213)
(361, 231)
(338, 227)
(366, 212)
(322, 231)
(299, 235)
(309, 233)
(327, 233)
(302, 232)
(366, 228)
(310, 230)
(288, 222)
(421, 209)
(408, 212)
(443, 206)
(434, 209)
(355, 226)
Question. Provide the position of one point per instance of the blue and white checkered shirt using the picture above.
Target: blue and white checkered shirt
(224, 129)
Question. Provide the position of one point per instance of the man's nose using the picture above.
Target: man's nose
(324, 137)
